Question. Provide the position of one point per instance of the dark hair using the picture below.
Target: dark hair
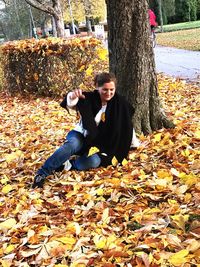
(104, 77)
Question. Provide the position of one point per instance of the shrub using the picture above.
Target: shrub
(53, 65)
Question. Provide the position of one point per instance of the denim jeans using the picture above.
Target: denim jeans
(74, 143)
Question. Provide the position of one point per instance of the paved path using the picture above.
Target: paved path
(178, 62)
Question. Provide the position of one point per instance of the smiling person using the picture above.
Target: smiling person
(106, 123)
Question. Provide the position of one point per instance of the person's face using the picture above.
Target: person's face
(107, 91)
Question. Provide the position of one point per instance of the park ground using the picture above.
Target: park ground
(185, 39)
(145, 213)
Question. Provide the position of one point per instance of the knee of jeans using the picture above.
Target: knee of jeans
(75, 143)
(95, 161)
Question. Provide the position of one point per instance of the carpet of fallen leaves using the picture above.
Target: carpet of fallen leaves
(184, 39)
(145, 213)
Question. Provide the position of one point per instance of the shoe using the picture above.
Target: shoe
(67, 165)
(39, 181)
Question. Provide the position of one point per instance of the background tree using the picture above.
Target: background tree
(131, 58)
(13, 20)
(174, 11)
(17, 19)
(53, 8)
(198, 9)
(86, 11)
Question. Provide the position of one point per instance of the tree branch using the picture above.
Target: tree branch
(43, 7)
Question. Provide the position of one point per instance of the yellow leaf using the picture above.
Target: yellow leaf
(42, 230)
(6, 263)
(124, 162)
(100, 241)
(114, 161)
(4, 180)
(157, 137)
(89, 71)
(14, 155)
(187, 197)
(9, 249)
(164, 174)
(111, 240)
(197, 134)
(70, 241)
(185, 153)
(77, 264)
(8, 224)
(179, 258)
(74, 228)
(189, 179)
(100, 192)
(105, 216)
(103, 117)
(102, 53)
(82, 68)
(6, 189)
(143, 157)
(93, 150)
(180, 220)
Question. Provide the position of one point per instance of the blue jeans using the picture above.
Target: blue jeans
(74, 144)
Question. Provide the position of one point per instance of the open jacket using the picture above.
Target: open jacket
(113, 135)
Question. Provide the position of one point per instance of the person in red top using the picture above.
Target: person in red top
(152, 19)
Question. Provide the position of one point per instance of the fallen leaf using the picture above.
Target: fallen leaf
(179, 258)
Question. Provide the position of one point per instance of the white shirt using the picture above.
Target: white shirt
(79, 126)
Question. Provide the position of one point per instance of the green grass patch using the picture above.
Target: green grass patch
(185, 39)
(181, 26)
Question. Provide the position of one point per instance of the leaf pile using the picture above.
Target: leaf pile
(48, 66)
(145, 213)
(183, 39)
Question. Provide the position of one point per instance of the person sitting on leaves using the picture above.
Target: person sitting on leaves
(106, 123)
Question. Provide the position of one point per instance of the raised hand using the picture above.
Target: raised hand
(76, 93)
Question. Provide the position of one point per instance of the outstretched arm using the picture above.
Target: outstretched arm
(73, 97)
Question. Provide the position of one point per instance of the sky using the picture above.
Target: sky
(2, 5)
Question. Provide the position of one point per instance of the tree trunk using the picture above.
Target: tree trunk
(58, 18)
(87, 7)
(131, 58)
(53, 25)
(18, 20)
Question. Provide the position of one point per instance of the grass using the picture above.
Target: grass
(184, 39)
(181, 26)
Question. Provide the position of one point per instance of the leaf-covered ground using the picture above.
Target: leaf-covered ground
(145, 213)
(184, 39)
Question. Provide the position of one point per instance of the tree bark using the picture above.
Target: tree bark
(131, 59)
(161, 14)
(87, 7)
(55, 10)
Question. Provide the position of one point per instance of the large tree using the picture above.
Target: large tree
(53, 8)
(131, 58)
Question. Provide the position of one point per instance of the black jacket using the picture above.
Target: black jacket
(112, 136)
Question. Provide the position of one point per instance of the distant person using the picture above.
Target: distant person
(152, 19)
